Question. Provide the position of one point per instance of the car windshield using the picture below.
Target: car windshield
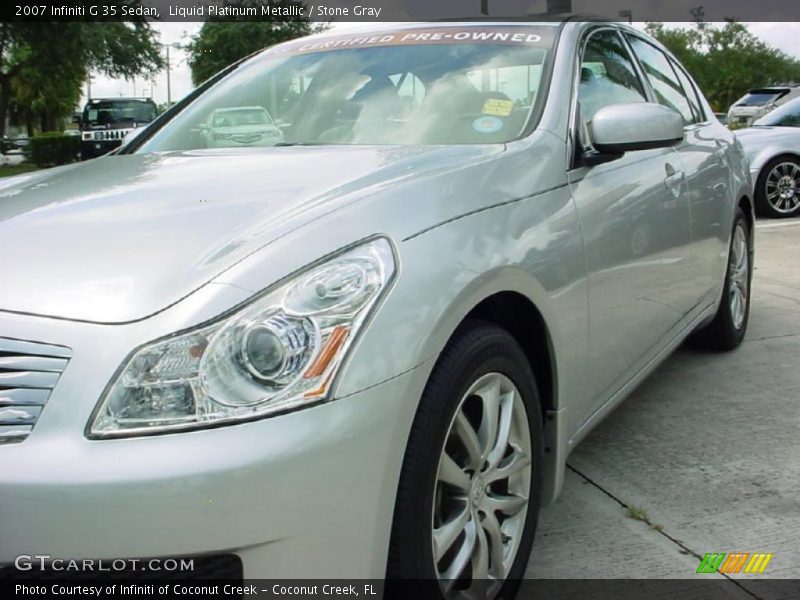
(787, 115)
(444, 85)
(105, 112)
(761, 98)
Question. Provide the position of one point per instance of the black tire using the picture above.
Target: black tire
(722, 334)
(476, 349)
(763, 206)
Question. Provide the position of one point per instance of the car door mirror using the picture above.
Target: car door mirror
(621, 128)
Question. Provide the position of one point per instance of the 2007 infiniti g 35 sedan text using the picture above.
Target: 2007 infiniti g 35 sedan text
(366, 347)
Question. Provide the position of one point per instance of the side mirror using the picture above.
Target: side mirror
(621, 128)
(76, 119)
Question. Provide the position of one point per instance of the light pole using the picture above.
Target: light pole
(169, 82)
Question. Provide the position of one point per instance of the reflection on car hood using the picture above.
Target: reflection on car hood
(119, 238)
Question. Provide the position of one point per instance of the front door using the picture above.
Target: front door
(635, 218)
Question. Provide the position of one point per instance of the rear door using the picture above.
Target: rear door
(704, 155)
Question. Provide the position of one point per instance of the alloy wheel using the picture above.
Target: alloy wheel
(483, 486)
(782, 190)
(739, 276)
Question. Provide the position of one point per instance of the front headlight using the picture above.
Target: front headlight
(279, 353)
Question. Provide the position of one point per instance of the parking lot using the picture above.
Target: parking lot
(702, 458)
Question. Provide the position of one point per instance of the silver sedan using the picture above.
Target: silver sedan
(772, 146)
(366, 351)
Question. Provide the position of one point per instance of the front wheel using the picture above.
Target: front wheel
(727, 329)
(468, 497)
(778, 188)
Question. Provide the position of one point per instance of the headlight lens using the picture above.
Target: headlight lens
(279, 353)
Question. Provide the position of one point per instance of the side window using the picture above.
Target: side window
(662, 78)
(691, 93)
(607, 75)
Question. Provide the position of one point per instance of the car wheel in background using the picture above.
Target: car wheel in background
(468, 496)
(778, 188)
(727, 329)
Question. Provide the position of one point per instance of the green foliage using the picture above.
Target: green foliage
(726, 60)
(52, 149)
(43, 65)
(11, 171)
(221, 43)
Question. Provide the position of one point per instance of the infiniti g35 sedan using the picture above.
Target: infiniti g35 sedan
(366, 351)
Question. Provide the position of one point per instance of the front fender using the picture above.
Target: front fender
(532, 247)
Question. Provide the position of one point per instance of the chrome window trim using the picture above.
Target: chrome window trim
(585, 36)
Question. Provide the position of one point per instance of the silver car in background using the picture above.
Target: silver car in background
(235, 126)
(772, 146)
(758, 102)
(367, 351)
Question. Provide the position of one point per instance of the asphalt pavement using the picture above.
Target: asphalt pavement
(703, 457)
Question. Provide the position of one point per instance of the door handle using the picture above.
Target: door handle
(673, 180)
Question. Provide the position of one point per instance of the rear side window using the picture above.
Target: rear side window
(607, 75)
(662, 78)
(691, 93)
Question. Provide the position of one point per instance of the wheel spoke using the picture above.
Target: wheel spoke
(508, 505)
(462, 557)
(469, 438)
(510, 466)
(503, 431)
(490, 398)
(447, 534)
(450, 472)
(495, 536)
(480, 559)
(735, 305)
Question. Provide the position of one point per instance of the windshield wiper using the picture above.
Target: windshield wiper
(287, 144)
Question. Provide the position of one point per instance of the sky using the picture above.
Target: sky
(783, 36)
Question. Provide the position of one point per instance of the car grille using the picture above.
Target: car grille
(28, 373)
(112, 134)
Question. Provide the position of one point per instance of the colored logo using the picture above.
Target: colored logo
(487, 124)
(734, 562)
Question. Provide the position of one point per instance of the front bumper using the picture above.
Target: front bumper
(744, 117)
(306, 494)
(95, 148)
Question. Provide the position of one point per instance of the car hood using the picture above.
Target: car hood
(764, 132)
(754, 139)
(120, 238)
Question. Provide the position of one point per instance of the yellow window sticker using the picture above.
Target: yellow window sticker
(497, 107)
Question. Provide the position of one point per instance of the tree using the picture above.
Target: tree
(222, 42)
(726, 61)
(46, 63)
